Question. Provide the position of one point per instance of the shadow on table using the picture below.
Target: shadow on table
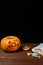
(19, 50)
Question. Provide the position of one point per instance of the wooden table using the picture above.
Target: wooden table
(20, 57)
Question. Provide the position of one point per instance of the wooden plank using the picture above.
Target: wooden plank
(19, 57)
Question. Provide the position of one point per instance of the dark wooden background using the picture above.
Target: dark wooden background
(21, 18)
(17, 19)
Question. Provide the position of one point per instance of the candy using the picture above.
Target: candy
(40, 53)
(26, 48)
(28, 54)
(36, 55)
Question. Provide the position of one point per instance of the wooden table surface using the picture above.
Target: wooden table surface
(20, 57)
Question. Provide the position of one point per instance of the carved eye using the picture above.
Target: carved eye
(9, 42)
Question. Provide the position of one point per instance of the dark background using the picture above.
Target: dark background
(19, 18)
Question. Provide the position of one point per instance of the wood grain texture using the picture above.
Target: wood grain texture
(19, 57)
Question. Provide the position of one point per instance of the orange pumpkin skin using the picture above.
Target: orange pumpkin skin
(10, 43)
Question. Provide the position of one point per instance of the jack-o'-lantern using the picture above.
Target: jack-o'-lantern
(10, 43)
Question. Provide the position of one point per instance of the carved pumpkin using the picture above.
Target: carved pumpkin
(10, 43)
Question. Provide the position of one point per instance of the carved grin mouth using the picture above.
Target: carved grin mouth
(12, 45)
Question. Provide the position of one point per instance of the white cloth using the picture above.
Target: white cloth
(38, 48)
